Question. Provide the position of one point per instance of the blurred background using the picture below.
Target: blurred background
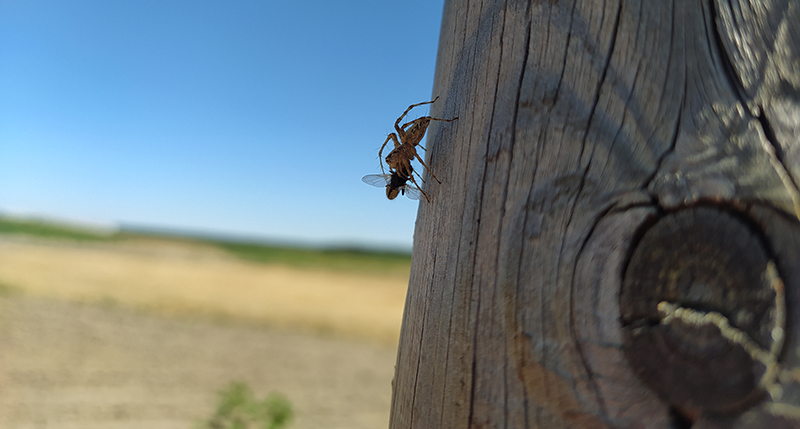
(182, 220)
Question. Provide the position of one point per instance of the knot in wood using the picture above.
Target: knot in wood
(702, 311)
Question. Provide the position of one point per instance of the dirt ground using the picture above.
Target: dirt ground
(83, 347)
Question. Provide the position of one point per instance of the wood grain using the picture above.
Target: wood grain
(582, 123)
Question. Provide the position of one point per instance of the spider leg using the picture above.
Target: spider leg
(420, 177)
(393, 137)
(421, 161)
(397, 123)
(411, 177)
(415, 121)
(430, 118)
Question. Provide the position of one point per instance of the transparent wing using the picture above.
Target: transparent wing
(379, 180)
(412, 192)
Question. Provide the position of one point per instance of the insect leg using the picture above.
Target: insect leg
(393, 137)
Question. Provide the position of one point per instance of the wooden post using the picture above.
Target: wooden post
(615, 241)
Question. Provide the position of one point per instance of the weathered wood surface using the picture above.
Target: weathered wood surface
(582, 126)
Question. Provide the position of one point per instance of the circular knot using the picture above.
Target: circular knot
(702, 309)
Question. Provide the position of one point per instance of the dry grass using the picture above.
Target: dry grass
(66, 365)
(180, 278)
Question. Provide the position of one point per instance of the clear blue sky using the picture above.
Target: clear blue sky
(256, 118)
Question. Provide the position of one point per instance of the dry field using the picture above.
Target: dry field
(143, 334)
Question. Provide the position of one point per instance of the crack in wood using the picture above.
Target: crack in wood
(755, 109)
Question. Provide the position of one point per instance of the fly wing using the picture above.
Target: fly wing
(379, 180)
(412, 192)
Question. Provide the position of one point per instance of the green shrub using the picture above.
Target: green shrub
(8, 290)
(238, 408)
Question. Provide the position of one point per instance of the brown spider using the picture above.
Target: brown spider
(405, 141)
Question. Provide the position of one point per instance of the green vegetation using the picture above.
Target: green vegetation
(342, 259)
(339, 259)
(49, 230)
(238, 408)
(8, 290)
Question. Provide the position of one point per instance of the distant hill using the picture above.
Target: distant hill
(338, 258)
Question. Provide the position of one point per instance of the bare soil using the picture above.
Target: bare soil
(104, 337)
(70, 365)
